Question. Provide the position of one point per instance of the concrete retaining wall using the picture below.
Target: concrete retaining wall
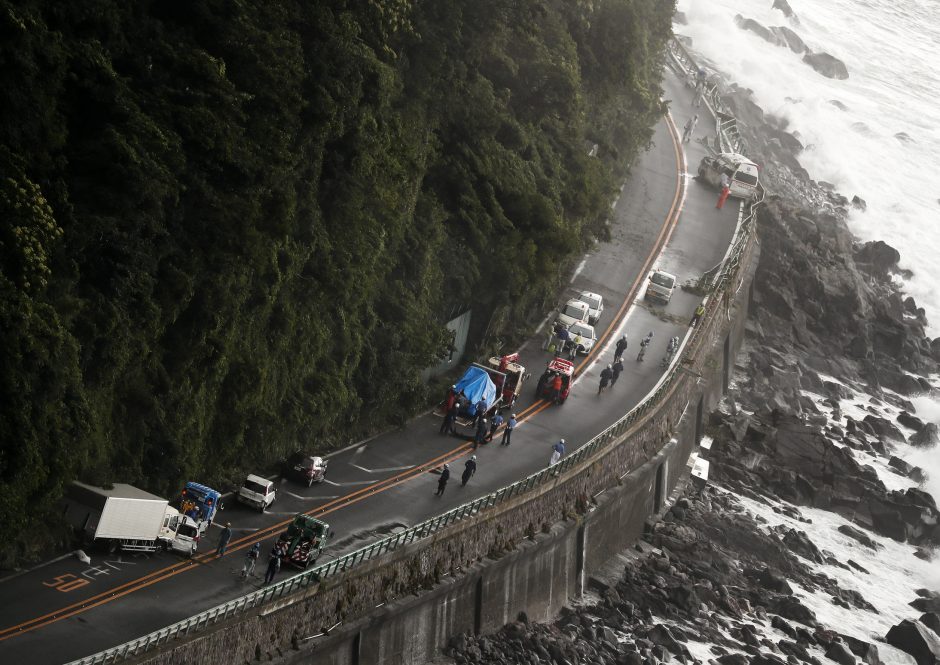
(528, 554)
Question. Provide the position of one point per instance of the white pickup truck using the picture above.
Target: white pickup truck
(127, 518)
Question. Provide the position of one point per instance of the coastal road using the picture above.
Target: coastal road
(65, 609)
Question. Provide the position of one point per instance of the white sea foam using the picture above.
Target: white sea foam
(891, 50)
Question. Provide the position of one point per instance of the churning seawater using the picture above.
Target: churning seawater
(875, 134)
(885, 145)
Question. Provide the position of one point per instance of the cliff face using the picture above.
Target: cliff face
(231, 231)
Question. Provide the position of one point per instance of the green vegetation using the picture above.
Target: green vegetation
(231, 229)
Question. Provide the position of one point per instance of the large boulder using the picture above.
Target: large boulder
(877, 257)
(827, 65)
(785, 7)
(790, 38)
(759, 30)
(884, 428)
(926, 437)
(916, 639)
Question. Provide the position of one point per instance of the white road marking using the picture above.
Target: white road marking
(306, 498)
(350, 483)
(385, 470)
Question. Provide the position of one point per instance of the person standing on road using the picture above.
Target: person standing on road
(495, 422)
(223, 539)
(480, 437)
(606, 375)
(617, 368)
(469, 469)
(689, 128)
(274, 565)
(621, 347)
(699, 313)
(507, 433)
(645, 343)
(251, 558)
(562, 341)
(447, 427)
(479, 411)
(558, 451)
(725, 191)
(442, 481)
(557, 384)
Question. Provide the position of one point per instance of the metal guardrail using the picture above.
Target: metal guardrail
(729, 138)
(425, 529)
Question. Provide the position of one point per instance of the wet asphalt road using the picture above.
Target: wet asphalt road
(65, 609)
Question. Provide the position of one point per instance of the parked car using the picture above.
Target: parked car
(574, 311)
(308, 469)
(660, 287)
(595, 304)
(588, 336)
(257, 492)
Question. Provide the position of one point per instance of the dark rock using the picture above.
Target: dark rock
(866, 651)
(780, 624)
(878, 257)
(784, 7)
(884, 428)
(759, 30)
(794, 649)
(915, 638)
(909, 420)
(858, 567)
(790, 607)
(839, 653)
(926, 437)
(679, 18)
(860, 536)
(926, 604)
(827, 65)
(859, 203)
(932, 621)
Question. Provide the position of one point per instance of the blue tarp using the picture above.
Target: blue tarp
(476, 385)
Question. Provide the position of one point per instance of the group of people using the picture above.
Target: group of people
(561, 341)
(469, 469)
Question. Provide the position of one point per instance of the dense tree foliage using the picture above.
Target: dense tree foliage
(230, 229)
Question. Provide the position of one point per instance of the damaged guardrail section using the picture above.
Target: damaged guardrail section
(354, 584)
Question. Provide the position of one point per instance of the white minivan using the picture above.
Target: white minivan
(257, 492)
(741, 171)
(595, 305)
(574, 311)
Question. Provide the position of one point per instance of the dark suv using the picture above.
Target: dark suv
(304, 468)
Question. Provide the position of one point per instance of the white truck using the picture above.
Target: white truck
(127, 518)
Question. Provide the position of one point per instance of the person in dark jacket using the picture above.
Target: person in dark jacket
(606, 375)
(442, 481)
(495, 422)
(223, 539)
(621, 347)
(469, 469)
(480, 437)
(616, 368)
(507, 433)
(447, 427)
(274, 565)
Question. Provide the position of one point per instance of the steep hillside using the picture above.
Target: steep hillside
(231, 229)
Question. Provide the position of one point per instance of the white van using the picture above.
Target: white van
(742, 172)
(574, 311)
(257, 492)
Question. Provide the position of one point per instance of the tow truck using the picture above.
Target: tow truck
(303, 541)
(556, 367)
(496, 385)
(515, 376)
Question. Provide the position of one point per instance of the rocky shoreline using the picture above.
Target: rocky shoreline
(818, 420)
